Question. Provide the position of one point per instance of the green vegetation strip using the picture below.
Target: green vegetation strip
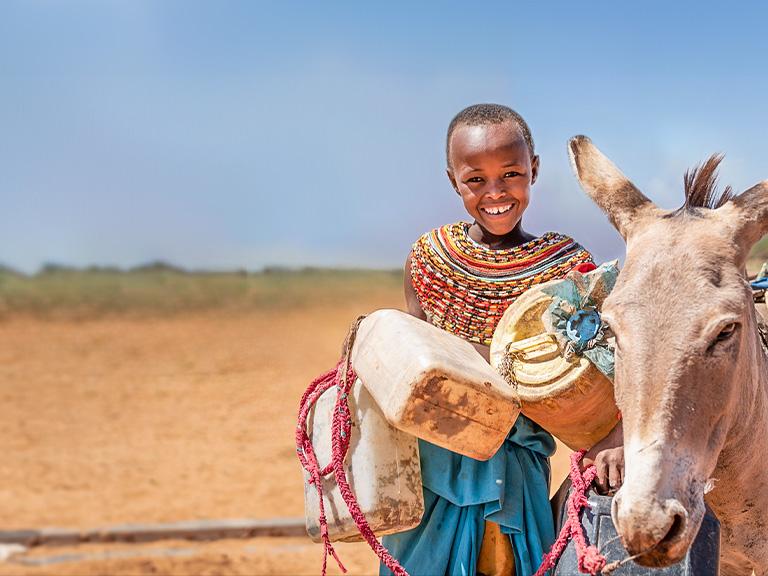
(758, 255)
(162, 289)
(158, 289)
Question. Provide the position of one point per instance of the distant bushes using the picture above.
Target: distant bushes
(160, 288)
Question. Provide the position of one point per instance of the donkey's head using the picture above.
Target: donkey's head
(685, 344)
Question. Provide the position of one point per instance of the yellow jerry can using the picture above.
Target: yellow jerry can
(565, 393)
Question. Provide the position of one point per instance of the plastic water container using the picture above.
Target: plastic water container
(382, 467)
(703, 558)
(434, 385)
(570, 398)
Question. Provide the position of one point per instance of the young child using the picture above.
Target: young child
(490, 518)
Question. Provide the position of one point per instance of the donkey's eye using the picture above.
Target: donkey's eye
(725, 334)
(728, 331)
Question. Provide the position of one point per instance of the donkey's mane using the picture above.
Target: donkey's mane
(701, 186)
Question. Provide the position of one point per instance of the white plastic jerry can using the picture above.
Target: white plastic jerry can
(433, 384)
(382, 468)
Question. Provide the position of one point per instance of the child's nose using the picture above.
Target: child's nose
(497, 189)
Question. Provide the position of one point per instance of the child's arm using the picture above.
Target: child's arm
(411, 300)
(483, 350)
(414, 308)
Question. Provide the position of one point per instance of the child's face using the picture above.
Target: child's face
(492, 170)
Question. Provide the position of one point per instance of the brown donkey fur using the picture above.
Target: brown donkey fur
(691, 375)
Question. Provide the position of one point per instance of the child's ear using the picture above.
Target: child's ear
(534, 169)
(452, 178)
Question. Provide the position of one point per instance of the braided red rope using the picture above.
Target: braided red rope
(591, 561)
(343, 377)
(308, 458)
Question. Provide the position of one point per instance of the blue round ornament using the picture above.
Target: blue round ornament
(583, 326)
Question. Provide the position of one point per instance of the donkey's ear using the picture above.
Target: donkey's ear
(606, 185)
(753, 212)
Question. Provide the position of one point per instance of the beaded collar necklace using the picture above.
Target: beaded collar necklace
(464, 286)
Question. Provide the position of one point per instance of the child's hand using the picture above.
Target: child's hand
(610, 470)
(608, 458)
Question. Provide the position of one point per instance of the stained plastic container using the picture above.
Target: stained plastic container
(382, 467)
(434, 385)
(702, 559)
(570, 398)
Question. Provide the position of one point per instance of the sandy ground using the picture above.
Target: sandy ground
(123, 420)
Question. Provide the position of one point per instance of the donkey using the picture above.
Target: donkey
(691, 374)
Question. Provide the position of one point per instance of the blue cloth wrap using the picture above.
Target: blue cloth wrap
(760, 284)
(460, 493)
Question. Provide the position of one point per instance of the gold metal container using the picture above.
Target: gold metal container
(570, 398)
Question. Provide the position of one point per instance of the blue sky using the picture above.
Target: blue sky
(241, 134)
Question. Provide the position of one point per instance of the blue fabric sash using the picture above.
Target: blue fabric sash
(460, 493)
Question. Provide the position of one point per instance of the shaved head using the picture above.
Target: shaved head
(484, 115)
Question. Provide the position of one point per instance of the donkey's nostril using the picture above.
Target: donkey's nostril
(676, 530)
(648, 526)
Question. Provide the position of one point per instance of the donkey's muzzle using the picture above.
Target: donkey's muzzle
(655, 530)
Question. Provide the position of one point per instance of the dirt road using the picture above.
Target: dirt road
(120, 420)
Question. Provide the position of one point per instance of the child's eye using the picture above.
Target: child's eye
(473, 180)
(511, 174)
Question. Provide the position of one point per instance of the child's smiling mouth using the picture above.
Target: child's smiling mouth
(496, 210)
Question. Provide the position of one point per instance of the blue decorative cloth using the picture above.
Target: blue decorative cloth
(460, 493)
(573, 316)
(760, 284)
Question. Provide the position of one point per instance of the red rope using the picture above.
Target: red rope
(343, 377)
(591, 561)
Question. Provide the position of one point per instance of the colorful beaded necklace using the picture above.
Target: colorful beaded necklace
(464, 287)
